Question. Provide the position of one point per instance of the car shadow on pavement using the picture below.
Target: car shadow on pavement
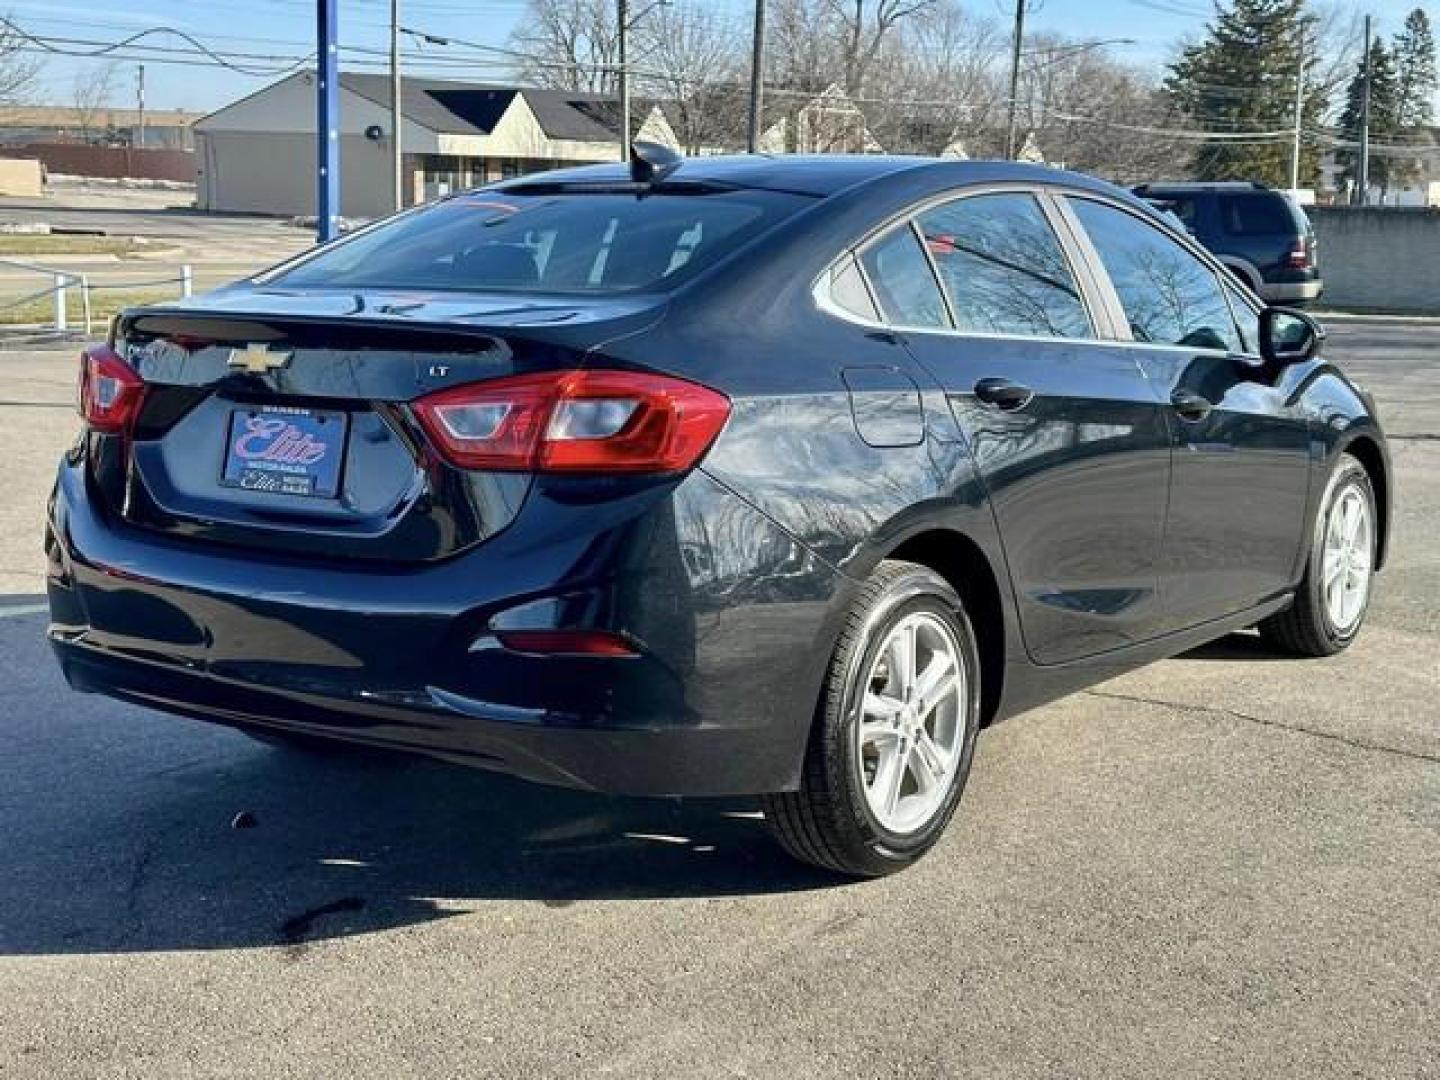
(125, 830)
(1242, 646)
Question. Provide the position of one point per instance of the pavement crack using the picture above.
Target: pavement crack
(1421, 436)
(1298, 729)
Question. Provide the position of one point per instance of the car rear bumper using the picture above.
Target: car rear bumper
(718, 701)
(1291, 292)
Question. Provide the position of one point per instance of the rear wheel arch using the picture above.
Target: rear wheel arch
(963, 564)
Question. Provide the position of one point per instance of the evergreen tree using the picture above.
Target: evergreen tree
(1241, 79)
(1384, 119)
(1414, 54)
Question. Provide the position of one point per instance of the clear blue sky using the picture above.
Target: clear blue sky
(286, 27)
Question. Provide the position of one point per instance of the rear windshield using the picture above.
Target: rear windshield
(598, 242)
(1267, 214)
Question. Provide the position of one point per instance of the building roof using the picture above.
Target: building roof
(465, 108)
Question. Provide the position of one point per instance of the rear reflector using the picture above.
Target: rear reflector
(566, 642)
(110, 390)
(575, 421)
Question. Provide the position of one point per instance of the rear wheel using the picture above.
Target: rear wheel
(1334, 595)
(895, 730)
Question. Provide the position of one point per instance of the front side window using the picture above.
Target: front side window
(582, 242)
(1170, 297)
(1003, 267)
(904, 286)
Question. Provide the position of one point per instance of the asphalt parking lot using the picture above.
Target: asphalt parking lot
(1224, 865)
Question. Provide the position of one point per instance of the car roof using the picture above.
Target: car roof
(824, 174)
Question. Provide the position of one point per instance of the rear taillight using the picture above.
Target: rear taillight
(110, 390)
(567, 643)
(575, 421)
(1299, 258)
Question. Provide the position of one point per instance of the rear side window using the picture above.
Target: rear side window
(1257, 215)
(1003, 267)
(1170, 297)
(904, 285)
(849, 291)
(554, 243)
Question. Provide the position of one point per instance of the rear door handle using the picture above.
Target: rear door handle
(1003, 394)
(1190, 405)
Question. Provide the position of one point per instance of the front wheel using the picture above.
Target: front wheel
(894, 733)
(1334, 595)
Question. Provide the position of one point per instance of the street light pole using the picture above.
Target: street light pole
(1010, 130)
(757, 77)
(1363, 187)
(622, 15)
(397, 149)
(140, 100)
(1299, 113)
(327, 122)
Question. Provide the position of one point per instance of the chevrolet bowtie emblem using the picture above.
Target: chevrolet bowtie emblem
(258, 359)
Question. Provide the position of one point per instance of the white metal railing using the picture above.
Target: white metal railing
(62, 281)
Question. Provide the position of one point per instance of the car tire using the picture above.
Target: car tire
(1334, 595)
(892, 742)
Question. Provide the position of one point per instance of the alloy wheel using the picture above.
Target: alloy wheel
(1347, 559)
(911, 728)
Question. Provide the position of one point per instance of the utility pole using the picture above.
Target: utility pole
(757, 76)
(397, 149)
(327, 122)
(1299, 111)
(622, 16)
(1011, 134)
(140, 100)
(1363, 186)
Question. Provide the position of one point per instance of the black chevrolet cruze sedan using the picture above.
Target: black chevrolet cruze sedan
(764, 476)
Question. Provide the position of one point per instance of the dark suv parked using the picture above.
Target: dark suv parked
(1260, 235)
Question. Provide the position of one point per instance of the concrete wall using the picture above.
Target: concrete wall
(1379, 259)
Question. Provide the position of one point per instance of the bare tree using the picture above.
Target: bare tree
(685, 50)
(801, 50)
(17, 68)
(90, 94)
(1096, 115)
(864, 26)
(940, 78)
(568, 45)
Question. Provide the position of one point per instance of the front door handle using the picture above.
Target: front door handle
(1003, 394)
(1191, 406)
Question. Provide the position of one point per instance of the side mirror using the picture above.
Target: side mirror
(1288, 337)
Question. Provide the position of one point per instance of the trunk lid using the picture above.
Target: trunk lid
(280, 419)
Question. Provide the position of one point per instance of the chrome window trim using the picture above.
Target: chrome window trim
(945, 299)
